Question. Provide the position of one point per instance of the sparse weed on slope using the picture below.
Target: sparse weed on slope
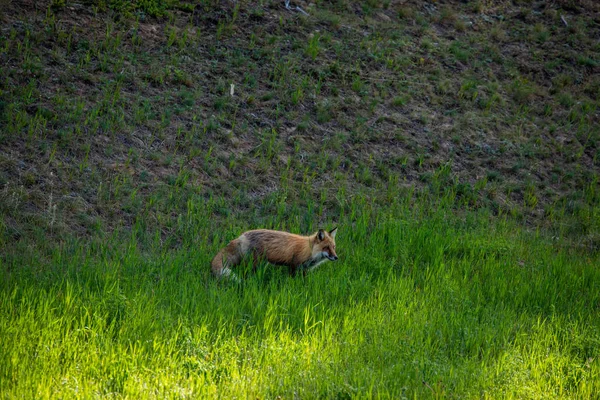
(108, 103)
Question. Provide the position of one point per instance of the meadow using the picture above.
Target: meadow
(422, 304)
(456, 145)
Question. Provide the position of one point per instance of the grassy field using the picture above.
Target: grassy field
(455, 144)
(421, 304)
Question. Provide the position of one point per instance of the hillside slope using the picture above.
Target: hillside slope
(111, 114)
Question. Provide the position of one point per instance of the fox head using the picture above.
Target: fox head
(324, 245)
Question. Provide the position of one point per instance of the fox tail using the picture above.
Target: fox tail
(226, 258)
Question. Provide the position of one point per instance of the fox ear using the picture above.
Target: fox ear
(321, 234)
(333, 232)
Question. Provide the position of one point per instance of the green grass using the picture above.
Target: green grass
(456, 146)
(423, 303)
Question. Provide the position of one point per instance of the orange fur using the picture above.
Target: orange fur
(279, 248)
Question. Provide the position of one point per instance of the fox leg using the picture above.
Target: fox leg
(294, 268)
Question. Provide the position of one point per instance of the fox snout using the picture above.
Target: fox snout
(330, 254)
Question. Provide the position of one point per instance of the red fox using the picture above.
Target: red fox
(298, 253)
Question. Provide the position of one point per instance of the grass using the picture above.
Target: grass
(156, 77)
(456, 145)
(421, 304)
